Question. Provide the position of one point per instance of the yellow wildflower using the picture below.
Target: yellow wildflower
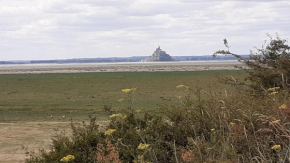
(232, 123)
(273, 93)
(283, 106)
(179, 97)
(275, 147)
(273, 89)
(143, 146)
(116, 116)
(169, 122)
(120, 100)
(212, 130)
(110, 131)
(138, 111)
(277, 121)
(182, 86)
(67, 158)
(128, 90)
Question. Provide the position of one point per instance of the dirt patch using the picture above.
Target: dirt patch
(19, 137)
(31, 135)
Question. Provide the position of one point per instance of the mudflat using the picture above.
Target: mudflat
(118, 67)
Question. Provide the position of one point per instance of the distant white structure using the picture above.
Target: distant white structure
(158, 56)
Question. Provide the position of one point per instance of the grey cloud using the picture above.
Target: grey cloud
(96, 28)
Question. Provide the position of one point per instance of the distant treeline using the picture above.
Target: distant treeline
(91, 60)
(10, 62)
(207, 57)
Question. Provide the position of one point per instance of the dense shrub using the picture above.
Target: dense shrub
(268, 66)
(81, 144)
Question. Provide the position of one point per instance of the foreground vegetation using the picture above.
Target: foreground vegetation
(248, 122)
(207, 126)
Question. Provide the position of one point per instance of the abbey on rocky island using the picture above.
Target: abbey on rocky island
(158, 56)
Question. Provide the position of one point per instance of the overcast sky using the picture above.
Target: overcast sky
(55, 29)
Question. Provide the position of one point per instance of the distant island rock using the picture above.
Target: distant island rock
(158, 56)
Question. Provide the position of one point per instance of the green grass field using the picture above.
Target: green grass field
(32, 97)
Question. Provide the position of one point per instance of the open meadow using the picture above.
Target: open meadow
(35, 97)
(33, 105)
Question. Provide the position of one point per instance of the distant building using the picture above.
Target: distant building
(158, 56)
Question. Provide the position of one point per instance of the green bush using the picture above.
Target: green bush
(268, 66)
(81, 144)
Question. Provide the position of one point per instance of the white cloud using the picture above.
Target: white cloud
(46, 29)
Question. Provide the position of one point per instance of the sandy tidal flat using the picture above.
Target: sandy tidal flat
(118, 67)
